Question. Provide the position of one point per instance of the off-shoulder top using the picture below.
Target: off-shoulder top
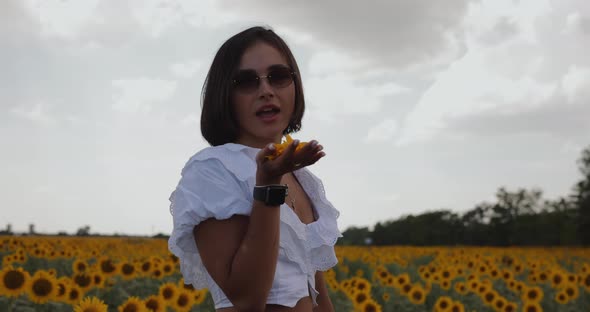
(217, 182)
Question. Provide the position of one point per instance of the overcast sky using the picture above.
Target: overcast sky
(420, 105)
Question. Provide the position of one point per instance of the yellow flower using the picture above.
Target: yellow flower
(443, 304)
(184, 300)
(132, 304)
(13, 281)
(370, 306)
(42, 287)
(532, 294)
(168, 292)
(155, 304)
(416, 294)
(91, 304)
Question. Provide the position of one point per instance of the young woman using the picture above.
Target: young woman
(250, 224)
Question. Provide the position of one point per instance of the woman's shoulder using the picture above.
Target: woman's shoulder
(235, 158)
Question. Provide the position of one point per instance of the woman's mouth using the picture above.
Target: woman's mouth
(268, 113)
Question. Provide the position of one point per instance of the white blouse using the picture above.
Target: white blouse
(217, 182)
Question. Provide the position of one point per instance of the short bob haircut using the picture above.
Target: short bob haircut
(218, 123)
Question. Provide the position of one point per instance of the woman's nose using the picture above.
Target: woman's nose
(265, 86)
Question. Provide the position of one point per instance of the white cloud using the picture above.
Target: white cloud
(343, 94)
(137, 95)
(576, 83)
(186, 69)
(191, 120)
(502, 72)
(383, 131)
(38, 113)
(61, 18)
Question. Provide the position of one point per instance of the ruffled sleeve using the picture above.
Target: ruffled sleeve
(206, 190)
(324, 233)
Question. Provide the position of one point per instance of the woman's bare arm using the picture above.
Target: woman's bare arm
(241, 253)
(324, 302)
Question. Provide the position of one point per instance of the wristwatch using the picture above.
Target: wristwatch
(271, 195)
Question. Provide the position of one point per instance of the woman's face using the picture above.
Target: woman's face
(262, 110)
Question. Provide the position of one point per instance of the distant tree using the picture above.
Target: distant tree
(83, 231)
(354, 236)
(581, 198)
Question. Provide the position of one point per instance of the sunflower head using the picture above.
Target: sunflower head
(155, 304)
(13, 281)
(42, 287)
(132, 304)
(91, 304)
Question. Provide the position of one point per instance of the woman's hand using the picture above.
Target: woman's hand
(271, 171)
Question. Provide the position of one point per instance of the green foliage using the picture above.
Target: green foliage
(515, 218)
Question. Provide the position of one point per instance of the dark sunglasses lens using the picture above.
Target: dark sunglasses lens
(246, 81)
(280, 77)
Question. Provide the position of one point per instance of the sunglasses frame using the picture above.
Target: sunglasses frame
(236, 83)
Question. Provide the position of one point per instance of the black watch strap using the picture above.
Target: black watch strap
(271, 195)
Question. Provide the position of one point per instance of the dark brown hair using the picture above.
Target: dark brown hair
(218, 122)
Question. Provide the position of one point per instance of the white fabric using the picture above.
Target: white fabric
(217, 182)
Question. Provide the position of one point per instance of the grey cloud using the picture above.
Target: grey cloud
(504, 29)
(394, 33)
(556, 118)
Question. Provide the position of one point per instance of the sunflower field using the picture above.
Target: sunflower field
(49, 273)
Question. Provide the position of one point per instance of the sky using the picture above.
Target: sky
(420, 105)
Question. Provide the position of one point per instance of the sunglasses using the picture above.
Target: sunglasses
(248, 81)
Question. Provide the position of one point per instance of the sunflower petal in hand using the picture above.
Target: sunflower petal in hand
(279, 148)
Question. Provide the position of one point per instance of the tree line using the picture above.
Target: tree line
(516, 218)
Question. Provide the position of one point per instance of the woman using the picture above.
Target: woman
(254, 228)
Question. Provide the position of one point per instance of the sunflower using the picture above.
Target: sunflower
(13, 281)
(74, 293)
(499, 303)
(201, 294)
(107, 267)
(461, 288)
(572, 291)
(168, 292)
(155, 303)
(370, 306)
(557, 279)
(473, 285)
(531, 307)
(457, 307)
(157, 273)
(132, 304)
(91, 304)
(168, 268)
(98, 279)
(42, 287)
(363, 285)
(406, 289)
(417, 295)
(83, 280)
(489, 297)
(561, 297)
(128, 270)
(79, 266)
(62, 288)
(145, 267)
(509, 307)
(386, 297)
(586, 281)
(443, 304)
(401, 280)
(184, 300)
(532, 294)
(359, 298)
